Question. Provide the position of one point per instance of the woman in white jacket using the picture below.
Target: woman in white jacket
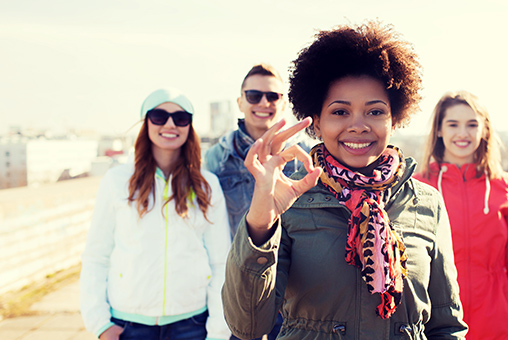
(153, 264)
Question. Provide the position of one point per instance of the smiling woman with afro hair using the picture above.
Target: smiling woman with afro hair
(369, 49)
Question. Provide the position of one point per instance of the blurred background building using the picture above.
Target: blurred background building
(222, 118)
(31, 161)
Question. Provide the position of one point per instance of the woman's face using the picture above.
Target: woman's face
(168, 137)
(356, 121)
(461, 130)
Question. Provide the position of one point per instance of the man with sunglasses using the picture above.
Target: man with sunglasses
(262, 102)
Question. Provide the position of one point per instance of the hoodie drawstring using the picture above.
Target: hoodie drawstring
(487, 193)
(486, 210)
(444, 168)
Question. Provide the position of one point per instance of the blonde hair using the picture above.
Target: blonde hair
(487, 156)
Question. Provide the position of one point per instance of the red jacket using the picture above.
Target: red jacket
(480, 244)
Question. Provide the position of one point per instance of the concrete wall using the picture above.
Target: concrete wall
(43, 229)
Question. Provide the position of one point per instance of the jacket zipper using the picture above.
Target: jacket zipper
(164, 198)
(358, 302)
(467, 236)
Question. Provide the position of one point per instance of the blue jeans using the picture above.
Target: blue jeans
(189, 329)
(274, 332)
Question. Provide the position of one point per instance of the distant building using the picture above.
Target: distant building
(222, 118)
(12, 165)
(504, 149)
(114, 146)
(28, 162)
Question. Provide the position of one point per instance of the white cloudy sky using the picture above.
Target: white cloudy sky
(89, 64)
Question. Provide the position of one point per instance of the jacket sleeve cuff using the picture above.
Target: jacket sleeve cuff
(254, 258)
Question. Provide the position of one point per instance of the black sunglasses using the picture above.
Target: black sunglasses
(160, 117)
(255, 96)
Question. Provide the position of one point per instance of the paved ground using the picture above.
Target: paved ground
(57, 318)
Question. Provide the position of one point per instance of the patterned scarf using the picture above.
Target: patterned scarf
(371, 245)
(242, 141)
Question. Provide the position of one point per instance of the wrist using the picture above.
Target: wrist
(259, 234)
(260, 220)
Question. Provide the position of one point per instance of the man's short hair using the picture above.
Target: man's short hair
(263, 70)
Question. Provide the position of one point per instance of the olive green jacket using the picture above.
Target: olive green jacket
(301, 271)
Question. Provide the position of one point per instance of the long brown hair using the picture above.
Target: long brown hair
(186, 176)
(487, 156)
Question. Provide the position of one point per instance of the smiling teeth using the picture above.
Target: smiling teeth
(357, 145)
(262, 114)
(462, 143)
(169, 135)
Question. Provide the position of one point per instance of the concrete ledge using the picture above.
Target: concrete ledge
(43, 229)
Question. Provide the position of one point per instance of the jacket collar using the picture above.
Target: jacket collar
(467, 171)
(243, 139)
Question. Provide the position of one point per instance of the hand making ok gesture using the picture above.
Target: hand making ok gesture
(274, 192)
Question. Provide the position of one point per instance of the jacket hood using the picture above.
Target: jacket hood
(467, 172)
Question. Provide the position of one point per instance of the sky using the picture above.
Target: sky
(88, 65)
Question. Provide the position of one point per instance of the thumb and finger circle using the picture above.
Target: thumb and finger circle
(274, 140)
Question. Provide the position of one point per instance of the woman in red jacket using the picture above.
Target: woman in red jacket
(466, 169)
